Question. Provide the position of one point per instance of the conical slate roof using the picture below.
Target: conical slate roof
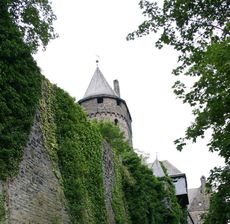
(99, 86)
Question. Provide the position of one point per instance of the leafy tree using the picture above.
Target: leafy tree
(24, 25)
(113, 135)
(200, 31)
(219, 211)
(149, 200)
(33, 18)
(20, 87)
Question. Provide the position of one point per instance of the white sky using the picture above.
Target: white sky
(90, 28)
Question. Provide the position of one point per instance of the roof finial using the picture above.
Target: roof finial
(156, 155)
(97, 60)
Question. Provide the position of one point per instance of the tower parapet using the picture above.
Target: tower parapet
(103, 103)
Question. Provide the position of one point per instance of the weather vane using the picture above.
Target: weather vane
(97, 60)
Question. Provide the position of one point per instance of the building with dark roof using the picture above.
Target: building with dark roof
(178, 178)
(196, 199)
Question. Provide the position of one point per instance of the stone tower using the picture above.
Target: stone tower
(103, 103)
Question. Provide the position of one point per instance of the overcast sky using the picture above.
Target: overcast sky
(91, 28)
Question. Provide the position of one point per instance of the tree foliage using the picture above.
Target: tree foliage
(24, 25)
(148, 200)
(20, 87)
(219, 182)
(200, 31)
(80, 160)
(34, 19)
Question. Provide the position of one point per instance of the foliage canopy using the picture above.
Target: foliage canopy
(34, 19)
(20, 88)
(200, 31)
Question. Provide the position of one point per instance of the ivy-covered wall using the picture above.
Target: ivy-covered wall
(74, 146)
(80, 160)
(2, 207)
(71, 149)
(35, 195)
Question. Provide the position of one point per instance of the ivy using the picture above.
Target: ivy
(80, 161)
(150, 200)
(46, 105)
(118, 198)
(70, 139)
(20, 87)
(115, 138)
(143, 197)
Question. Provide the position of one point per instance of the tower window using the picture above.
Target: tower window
(118, 102)
(100, 100)
(116, 121)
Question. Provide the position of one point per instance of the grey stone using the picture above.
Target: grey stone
(35, 195)
(109, 179)
(199, 202)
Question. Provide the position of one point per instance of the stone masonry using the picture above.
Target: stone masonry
(101, 102)
(112, 109)
(199, 203)
(109, 179)
(35, 196)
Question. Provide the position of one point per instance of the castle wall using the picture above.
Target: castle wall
(110, 110)
(2, 203)
(35, 194)
(109, 179)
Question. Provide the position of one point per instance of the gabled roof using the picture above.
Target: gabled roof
(171, 170)
(178, 178)
(157, 169)
(99, 86)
